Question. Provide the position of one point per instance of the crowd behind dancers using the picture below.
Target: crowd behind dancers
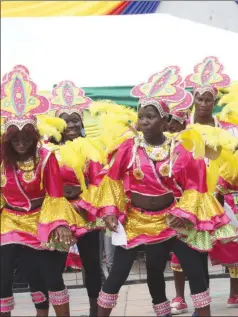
(61, 188)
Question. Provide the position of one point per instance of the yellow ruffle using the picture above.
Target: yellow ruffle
(139, 223)
(91, 193)
(25, 222)
(203, 206)
(59, 209)
(227, 174)
(110, 193)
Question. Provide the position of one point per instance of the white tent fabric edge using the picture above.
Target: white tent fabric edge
(111, 50)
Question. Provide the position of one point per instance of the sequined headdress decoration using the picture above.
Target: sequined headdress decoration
(207, 77)
(161, 89)
(179, 110)
(67, 98)
(20, 102)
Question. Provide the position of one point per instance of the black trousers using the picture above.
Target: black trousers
(43, 270)
(89, 249)
(157, 256)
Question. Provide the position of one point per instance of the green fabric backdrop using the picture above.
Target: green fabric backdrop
(119, 94)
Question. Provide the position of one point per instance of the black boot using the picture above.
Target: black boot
(93, 307)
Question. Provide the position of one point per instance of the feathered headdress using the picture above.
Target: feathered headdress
(20, 102)
(208, 76)
(68, 98)
(161, 89)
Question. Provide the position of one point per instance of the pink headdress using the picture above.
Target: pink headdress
(161, 89)
(179, 110)
(19, 100)
(180, 116)
(207, 77)
(67, 98)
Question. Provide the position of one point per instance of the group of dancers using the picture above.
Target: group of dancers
(165, 173)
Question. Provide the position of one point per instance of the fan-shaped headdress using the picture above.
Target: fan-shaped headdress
(20, 102)
(68, 98)
(179, 110)
(207, 77)
(162, 89)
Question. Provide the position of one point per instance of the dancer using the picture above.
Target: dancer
(34, 213)
(228, 192)
(155, 178)
(68, 102)
(178, 121)
(205, 94)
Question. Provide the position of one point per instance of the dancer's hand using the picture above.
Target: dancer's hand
(111, 223)
(176, 222)
(76, 207)
(63, 234)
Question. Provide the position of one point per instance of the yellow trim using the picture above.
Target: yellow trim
(59, 209)
(25, 222)
(139, 223)
(110, 193)
(203, 206)
(55, 8)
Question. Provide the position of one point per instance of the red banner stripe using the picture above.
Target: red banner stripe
(119, 8)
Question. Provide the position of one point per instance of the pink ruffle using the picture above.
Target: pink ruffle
(226, 186)
(201, 225)
(24, 238)
(145, 239)
(225, 253)
(110, 211)
(73, 261)
(44, 230)
(92, 212)
(174, 260)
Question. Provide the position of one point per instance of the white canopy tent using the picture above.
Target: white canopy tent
(111, 50)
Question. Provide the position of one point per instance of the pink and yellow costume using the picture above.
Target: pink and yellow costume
(208, 77)
(134, 160)
(68, 99)
(156, 171)
(29, 181)
(80, 163)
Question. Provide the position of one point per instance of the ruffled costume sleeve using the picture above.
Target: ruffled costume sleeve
(110, 198)
(93, 180)
(205, 219)
(56, 210)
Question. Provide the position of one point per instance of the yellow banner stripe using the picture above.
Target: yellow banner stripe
(55, 8)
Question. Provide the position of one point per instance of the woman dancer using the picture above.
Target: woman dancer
(204, 83)
(178, 121)
(34, 212)
(68, 102)
(155, 178)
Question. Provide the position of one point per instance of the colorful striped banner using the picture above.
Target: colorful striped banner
(75, 8)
